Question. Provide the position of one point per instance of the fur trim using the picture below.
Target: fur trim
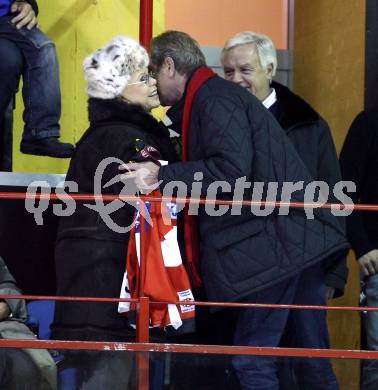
(293, 111)
(116, 111)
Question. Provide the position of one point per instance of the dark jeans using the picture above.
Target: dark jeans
(206, 372)
(295, 328)
(32, 54)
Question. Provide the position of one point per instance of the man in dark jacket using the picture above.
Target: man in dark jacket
(359, 161)
(25, 50)
(250, 60)
(308, 132)
(245, 257)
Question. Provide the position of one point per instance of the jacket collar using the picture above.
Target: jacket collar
(104, 111)
(291, 110)
(175, 113)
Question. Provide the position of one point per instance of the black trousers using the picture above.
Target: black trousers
(18, 371)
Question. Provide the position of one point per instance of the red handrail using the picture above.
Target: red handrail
(143, 347)
(146, 198)
(189, 348)
(196, 303)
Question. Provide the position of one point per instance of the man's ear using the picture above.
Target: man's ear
(169, 65)
(269, 71)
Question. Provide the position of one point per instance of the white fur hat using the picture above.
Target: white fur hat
(109, 69)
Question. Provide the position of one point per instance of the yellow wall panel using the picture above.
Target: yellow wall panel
(329, 60)
(78, 27)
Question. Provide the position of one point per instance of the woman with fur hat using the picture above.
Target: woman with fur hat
(91, 245)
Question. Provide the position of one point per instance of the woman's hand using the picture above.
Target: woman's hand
(330, 293)
(144, 174)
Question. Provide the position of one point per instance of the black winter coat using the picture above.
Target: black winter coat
(359, 164)
(90, 257)
(232, 135)
(313, 141)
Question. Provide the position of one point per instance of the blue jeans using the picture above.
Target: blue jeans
(370, 367)
(297, 328)
(32, 54)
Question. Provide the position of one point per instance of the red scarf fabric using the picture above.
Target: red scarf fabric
(190, 221)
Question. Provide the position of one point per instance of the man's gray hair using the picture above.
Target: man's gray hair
(264, 46)
(181, 47)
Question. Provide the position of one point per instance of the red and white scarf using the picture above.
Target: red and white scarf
(165, 276)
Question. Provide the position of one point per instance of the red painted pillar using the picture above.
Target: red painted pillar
(142, 358)
(145, 23)
(143, 314)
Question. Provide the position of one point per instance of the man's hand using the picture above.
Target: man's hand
(26, 15)
(330, 293)
(4, 311)
(369, 263)
(145, 175)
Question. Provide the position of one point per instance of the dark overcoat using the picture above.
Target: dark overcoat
(231, 136)
(90, 256)
(312, 139)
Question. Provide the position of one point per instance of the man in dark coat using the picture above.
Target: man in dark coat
(245, 257)
(26, 50)
(359, 161)
(250, 60)
(308, 132)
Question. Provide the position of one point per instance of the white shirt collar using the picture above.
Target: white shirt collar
(270, 100)
(167, 122)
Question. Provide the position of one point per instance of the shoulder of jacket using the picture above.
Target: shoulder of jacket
(220, 90)
(117, 127)
(295, 111)
(101, 137)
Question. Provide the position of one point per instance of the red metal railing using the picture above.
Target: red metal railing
(146, 198)
(195, 303)
(142, 345)
(189, 348)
